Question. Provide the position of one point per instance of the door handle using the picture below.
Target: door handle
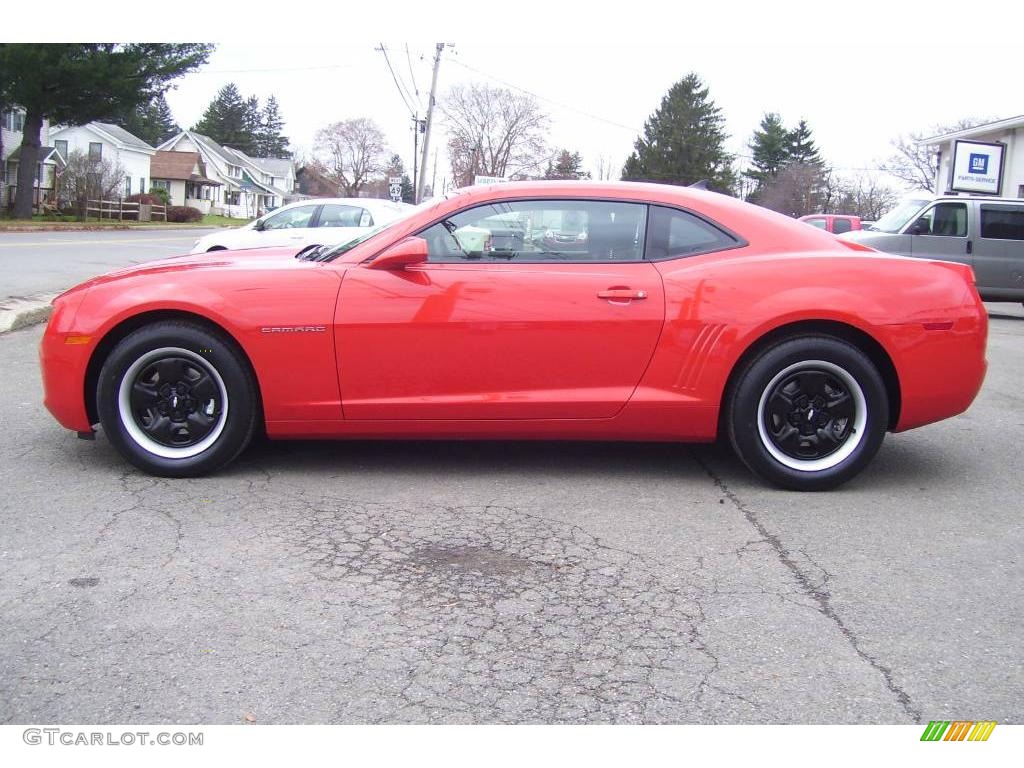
(970, 247)
(621, 293)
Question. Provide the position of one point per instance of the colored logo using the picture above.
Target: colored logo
(978, 164)
(958, 730)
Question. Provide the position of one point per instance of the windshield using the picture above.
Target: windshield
(900, 216)
(345, 247)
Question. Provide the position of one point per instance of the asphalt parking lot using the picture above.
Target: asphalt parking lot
(512, 582)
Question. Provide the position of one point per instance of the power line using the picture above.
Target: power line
(412, 77)
(272, 69)
(394, 77)
(630, 128)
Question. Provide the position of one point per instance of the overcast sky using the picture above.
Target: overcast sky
(860, 73)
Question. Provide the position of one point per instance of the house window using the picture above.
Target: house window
(61, 146)
(14, 121)
(95, 150)
(128, 186)
(142, 184)
(161, 184)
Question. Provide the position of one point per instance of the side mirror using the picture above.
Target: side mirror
(412, 250)
(920, 227)
(258, 226)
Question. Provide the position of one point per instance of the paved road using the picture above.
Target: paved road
(512, 582)
(35, 263)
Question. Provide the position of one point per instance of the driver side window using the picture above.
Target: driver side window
(541, 231)
(291, 219)
(942, 220)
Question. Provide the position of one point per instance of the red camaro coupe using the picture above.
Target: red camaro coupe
(674, 314)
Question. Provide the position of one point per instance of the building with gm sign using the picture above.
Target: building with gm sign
(987, 159)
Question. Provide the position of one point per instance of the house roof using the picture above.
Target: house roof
(173, 165)
(1007, 124)
(114, 133)
(274, 166)
(212, 146)
(46, 155)
(122, 136)
(179, 166)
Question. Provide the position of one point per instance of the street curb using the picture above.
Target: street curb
(19, 313)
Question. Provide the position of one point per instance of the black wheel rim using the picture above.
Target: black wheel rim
(810, 414)
(175, 401)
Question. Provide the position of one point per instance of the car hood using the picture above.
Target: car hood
(248, 259)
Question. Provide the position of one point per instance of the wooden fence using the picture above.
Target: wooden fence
(119, 209)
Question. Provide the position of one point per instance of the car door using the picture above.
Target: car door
(999, 249)
(290, 226)
(941, 232)
(495, 326)
(338, 223)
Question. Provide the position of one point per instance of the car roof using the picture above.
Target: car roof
(982, 198)
(362, 202)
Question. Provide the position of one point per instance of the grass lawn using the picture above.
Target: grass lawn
(71, 222)
(222, 221)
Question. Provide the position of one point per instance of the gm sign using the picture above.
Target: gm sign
(977, 167)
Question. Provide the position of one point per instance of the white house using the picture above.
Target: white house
(1009, 133)
(248, 186)
(106, 141)
(49, 163)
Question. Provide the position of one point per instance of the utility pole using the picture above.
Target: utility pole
(430, 115)
(415, 142)
(433, 179)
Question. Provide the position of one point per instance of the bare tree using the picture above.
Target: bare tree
(914, 163)
(797, 189)
(864, 195)
(494, 132)
(607, 169)
(351, 153)
(86, 178)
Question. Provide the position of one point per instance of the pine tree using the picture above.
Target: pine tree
(163, 119)
(153, 123)
(567, 165)
(397, 168)
(771, 148)
(77, 82)
(683, 141)
(271, 142)
(801, 146)
(225, 119)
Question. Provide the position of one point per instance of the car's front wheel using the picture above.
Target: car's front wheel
(177, 399)
(808, 413)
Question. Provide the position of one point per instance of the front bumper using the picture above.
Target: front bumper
(64, 359)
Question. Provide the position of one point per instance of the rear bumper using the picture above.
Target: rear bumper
(941, 370)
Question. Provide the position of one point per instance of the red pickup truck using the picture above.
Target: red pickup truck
(834, 223)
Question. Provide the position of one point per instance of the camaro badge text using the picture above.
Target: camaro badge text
(293, 329)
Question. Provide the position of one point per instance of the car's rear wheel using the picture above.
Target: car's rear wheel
(808, 413)
(177, 399)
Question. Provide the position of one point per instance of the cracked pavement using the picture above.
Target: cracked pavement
(401, 582)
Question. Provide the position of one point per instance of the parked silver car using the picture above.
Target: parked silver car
(986, 233)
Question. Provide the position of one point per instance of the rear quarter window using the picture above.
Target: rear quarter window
(673, 234)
